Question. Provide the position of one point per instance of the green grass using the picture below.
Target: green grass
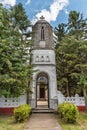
(81, 123)
(8, 123)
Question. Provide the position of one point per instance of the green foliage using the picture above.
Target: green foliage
(69, 112)
(20, 19)
(60, 31)
(15, 71)
(76, 24)
(71, 62)
(22, 112)
(83, 81)
(82, 84)
(71, 55)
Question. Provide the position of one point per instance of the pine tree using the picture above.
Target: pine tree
(15, 71)
(71, 61)
(76, 24)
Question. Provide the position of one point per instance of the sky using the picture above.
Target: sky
(54, 11)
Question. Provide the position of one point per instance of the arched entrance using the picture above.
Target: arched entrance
(42, 90)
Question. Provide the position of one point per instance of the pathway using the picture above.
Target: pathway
(43, 121)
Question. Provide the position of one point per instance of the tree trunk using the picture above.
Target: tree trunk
(67, 89)
(28, 98)
(85, 96)
(28, 93)
(86, 103)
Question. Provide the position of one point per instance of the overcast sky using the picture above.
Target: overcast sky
(54, 11)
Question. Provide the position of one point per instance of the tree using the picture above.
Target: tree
(76, 24)
(65, 65)
(14, 69)
(60, 31)
(19, 17)
(71, 61)
(82, 83)
(71, 52)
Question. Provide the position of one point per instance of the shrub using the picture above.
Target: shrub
(22, 112)
(68, 111)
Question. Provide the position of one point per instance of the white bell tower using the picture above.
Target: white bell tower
(44, 85)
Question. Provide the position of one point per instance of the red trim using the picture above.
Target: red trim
(81, 108)
(9, 111)
(6, 111)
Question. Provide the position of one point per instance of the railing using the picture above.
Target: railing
(12, 102)
(78, 101)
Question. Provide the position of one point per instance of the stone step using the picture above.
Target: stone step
(43, 111)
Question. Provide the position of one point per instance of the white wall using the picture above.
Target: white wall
(51, 72)
(44, 53)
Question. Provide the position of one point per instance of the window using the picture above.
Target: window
(42, 33)
(47, 59)
(42, 58)
(37, 58)
(42, 79)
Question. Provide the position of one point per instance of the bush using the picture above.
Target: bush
(22, 112)
(69, 112)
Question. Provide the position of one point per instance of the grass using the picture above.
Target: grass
(8, 123)
(81, 123)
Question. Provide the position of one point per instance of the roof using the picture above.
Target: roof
(42, 20)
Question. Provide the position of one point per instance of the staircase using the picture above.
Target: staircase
(42, 107)
(43, 110)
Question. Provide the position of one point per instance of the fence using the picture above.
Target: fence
(17, 101)
(12, 102)
(78, 101)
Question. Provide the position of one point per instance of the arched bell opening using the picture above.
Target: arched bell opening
(42, 90)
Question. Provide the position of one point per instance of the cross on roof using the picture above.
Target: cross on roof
(42, 17)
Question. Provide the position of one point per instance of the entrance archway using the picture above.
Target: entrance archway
(42, 90)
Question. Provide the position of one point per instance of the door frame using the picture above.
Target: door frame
(42, 74)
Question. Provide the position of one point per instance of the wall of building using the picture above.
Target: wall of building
(46, 57)
(51, 71)
(48, 32)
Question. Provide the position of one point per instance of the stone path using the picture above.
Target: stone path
(43, 121)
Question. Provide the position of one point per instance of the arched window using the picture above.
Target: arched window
(47, 59)
(42, 58)
(42, 33)
(37, 58)
(42, 79)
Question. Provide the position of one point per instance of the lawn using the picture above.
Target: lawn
(8, 123)
(81, 123)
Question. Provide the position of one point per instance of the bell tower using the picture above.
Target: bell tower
(44, 84)
(42, 35)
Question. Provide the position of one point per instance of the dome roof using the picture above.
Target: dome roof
(42, 20)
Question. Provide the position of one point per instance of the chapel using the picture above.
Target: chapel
(44, 83)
